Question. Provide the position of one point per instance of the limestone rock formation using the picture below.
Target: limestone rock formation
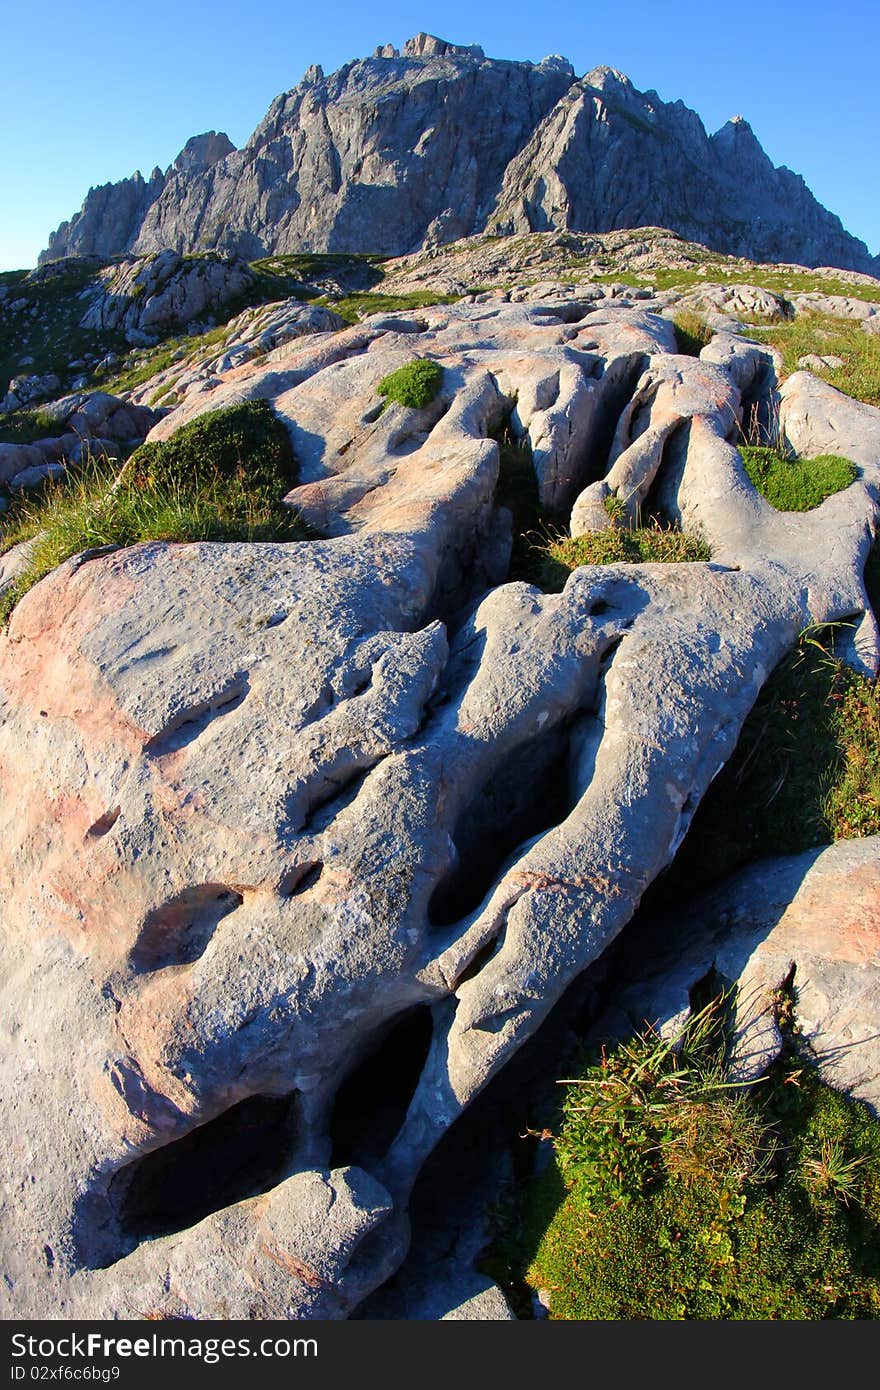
(265, 809)
(611, 156)
(112, 214)
(400, 151)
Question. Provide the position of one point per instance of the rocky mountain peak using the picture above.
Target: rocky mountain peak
(606, 79)
(429, 46)
(201, 151)
(404, 150)
(555, 62)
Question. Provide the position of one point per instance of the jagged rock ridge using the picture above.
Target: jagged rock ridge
(399, 151)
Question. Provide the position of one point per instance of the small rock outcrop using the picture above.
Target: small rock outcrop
(154, 295)
(406, 150)
(85, 424)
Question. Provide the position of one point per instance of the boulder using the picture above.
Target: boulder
(153, 295)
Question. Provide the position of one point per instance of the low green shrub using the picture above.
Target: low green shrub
(678, 1194)
(248, 441)
(415, 384)
(796, 485)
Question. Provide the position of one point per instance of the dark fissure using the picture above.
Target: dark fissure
(527, 796)
(372, 1102)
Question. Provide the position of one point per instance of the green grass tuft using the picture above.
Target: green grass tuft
(805, 771)
(691, 332)
(414, 385)
(796, 485)
(617, 546)
(24, 426)
(825, 336)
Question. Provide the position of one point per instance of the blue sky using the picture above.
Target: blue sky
(93, 91)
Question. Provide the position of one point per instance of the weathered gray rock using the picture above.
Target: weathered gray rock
(14, 562)
(611, 156)
(87, 425)
(739, 302)
(155, 294)
(838, 305)
(812, 920)
(284, 800)
(396, 152)
(259, 333)
(27, 390)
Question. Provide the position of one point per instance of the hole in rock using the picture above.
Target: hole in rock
(616, 386)
(709, 988)
(242, 1153)
(178, 932)
(529, 794)
(300, 879)
(103, 824)
(760, 411)
(482, 957)
(640, 419)
(325, 804)
(187, 727)
(362, 683)
(372, 1102)
(574, 311)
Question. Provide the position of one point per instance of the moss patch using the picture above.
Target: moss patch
(796, 485)
(415, 384)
